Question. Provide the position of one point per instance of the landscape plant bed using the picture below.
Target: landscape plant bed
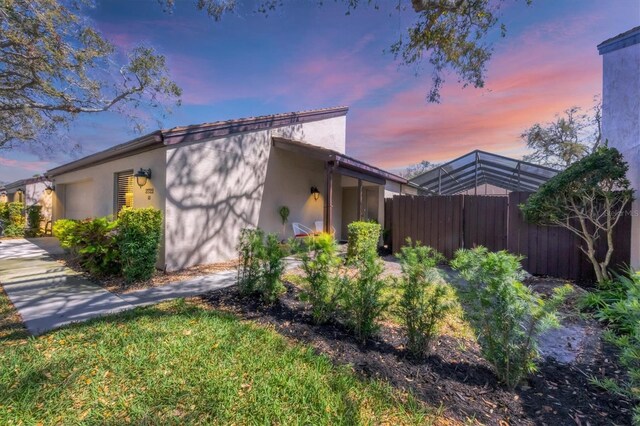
(119, 285)
(455, 376)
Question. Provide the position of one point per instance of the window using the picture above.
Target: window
(123, 191)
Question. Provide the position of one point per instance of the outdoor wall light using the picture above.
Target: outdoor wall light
(142, 176)
(49, 189)
(315, 193)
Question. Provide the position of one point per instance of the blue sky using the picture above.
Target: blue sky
(305, 56)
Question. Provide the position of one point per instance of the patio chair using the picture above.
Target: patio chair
(299, 230)
(320, 227)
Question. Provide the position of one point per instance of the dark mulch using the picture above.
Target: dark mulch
(455, 376)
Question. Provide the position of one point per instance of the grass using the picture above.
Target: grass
(182, 363)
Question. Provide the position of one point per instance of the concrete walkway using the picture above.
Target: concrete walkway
(49, 295)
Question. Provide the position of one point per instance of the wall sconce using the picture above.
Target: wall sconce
(142, 176)
(49, 189)
(315, 193)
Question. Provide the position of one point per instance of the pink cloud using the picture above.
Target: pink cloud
(34, 166)
(528, 81)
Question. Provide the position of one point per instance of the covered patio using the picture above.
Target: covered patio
(352, 189)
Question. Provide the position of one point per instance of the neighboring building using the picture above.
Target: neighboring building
(211, 180)
(621, 113)
(30, 191)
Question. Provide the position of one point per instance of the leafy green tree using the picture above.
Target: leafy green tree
(54, 67)
(588, 199)
(415, 170)
(567, 139)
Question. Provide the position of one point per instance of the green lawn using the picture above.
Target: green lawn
(181, 363)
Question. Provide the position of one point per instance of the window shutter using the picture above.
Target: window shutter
(123, 190)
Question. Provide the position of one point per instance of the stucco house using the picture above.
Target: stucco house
(29, 191)
(621, 113)
(211, 180)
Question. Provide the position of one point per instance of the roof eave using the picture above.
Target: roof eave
(626, 39)
(144, 143)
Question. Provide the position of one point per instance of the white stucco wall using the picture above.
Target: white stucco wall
(392, 188)
(328, 133)
(96, 187)
(217, 187)
(35, 194)
(98, 190)
(621, 121)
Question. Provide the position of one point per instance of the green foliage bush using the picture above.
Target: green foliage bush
(12, 215)
(507, 316)
(95, 244)
(361, 238)
(363, 295)
(321, 265)
(261, 265)
(270, 286)
(618, 306)
(139, 233)
(249, 249)
(425, 299)
(34, 217)
(64, 231)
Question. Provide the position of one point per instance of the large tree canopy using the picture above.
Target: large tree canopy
(54, 66)
(567, 139)
(588, 199)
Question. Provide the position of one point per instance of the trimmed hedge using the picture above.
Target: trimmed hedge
(362, 238)
(12, 214)
(139, 236)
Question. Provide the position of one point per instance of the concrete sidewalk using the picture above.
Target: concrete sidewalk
(49, 295)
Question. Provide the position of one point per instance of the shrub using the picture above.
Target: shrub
(95, 243)
(34, 217)
(619, 308)
(320, 263)
(272, 265)
(249, 249)
(361, 238)
(363, 302)
(425, 301)
(139, 236)
(261, 266)
(507, 316)
(63, 230)
(12, 214)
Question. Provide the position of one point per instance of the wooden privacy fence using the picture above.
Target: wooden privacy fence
(450, 222)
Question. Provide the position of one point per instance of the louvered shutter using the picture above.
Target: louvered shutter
(123, 190)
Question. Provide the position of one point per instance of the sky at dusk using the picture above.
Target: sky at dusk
(304, 56)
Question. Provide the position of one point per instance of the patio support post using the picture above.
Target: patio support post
(328, 203)
(360, 215)
(475, 190)
(439, 180)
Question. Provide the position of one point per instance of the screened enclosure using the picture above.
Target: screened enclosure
(478, 168)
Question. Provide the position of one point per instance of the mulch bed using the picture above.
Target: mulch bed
(455, 376)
